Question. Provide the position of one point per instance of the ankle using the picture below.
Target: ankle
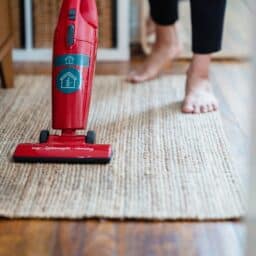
(200, 66)
(167, 36)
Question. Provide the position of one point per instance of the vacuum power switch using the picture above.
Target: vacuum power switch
(72, 14)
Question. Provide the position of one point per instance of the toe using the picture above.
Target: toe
(136, 78)
(215, 106)
(141, 77)
(131, 77)
(196, 109)
(187, 107)
(209, 107)
(203, 109)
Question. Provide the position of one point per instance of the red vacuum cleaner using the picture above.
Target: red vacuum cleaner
(74, 58)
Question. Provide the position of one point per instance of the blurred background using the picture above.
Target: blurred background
(122, 27)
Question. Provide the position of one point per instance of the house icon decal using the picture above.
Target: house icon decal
(69, 60)
(68, 81)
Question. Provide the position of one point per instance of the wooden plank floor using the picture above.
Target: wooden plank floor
(132, 238)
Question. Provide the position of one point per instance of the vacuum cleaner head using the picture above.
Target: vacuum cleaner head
(64, 149)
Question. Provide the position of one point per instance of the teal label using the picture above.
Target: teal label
(72, 60)
(69, 80)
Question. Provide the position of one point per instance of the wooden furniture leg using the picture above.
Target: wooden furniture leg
(6, 69)
(6, 45)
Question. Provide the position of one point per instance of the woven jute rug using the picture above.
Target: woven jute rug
(166, 165)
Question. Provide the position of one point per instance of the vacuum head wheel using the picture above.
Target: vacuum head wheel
(44, 136)
(90, 138)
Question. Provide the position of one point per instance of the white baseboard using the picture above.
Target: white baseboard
(45, 55)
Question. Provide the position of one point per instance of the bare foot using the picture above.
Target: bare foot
(166, 48)
(199, 96)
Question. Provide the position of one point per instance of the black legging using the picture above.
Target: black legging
(207, 21)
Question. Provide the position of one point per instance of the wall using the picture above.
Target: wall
(252, 195)
(134, 20)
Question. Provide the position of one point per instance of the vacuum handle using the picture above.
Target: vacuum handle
(78, 20)
(87, 9)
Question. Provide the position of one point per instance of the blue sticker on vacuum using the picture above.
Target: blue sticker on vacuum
(72, 60)
(69, 80)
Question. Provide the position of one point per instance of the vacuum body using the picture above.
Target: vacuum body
(74, 59)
